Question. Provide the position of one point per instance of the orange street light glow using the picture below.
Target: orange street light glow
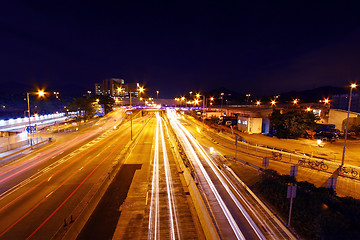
(41, 93)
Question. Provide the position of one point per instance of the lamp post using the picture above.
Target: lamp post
(353, 85)
(203, 112)
(222, 98)
(130, 118)
(157, 94)
(40, 93)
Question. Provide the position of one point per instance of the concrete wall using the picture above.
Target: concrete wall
(251, 125)
(337, 117)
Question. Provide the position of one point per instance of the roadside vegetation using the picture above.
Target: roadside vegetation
(317, 212)
(292, 124)
(85, 107)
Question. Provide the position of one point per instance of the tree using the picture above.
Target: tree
(83, 105)
(292, 124)
(108, 103)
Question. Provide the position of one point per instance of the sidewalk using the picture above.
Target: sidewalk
(5, 156)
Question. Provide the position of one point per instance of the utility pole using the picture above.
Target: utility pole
(203, 112)
(130, 118)
(28, 103)
(291, 193)
(347, 124)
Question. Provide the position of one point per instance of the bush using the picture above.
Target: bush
(317, 212)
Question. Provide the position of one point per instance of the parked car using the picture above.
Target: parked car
(326, 136)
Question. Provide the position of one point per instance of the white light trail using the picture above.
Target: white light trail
(169, 186)
(154, 205)
(177, 126)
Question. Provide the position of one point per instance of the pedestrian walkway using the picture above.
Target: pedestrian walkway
(329, 151)
(5, 157)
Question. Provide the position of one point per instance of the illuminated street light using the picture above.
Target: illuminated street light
(157, 94)
(273, 102)
(97, 100)
(352, 86)
(258, 103)
(198, 95)
(295, 101)
(55, 93)
(308, 109)
(40, 93)
(248, 97)
(326, 101)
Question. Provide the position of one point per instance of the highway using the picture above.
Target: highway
(156, 205)
(237, 214)
(40, 192)
(44, 194)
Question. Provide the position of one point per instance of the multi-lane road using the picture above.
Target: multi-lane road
(46, 194)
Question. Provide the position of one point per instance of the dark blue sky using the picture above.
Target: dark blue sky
(178, 46)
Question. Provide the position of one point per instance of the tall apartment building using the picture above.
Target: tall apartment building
(109, 87)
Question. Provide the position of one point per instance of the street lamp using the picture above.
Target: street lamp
(248, 97)
(157, 94)
(258, 103)
(352, 86)
(40, 93)
(222, 98)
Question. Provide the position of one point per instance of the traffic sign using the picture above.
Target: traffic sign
(294, 171)
(332, 182)
(291, 191)
(31, 129)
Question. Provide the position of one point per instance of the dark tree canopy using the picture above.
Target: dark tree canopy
(107, 101)
(292, 124)
(84, 105)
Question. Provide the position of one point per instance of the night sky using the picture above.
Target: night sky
(176, 46)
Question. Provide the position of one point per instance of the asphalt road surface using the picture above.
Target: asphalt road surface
(39, 192)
